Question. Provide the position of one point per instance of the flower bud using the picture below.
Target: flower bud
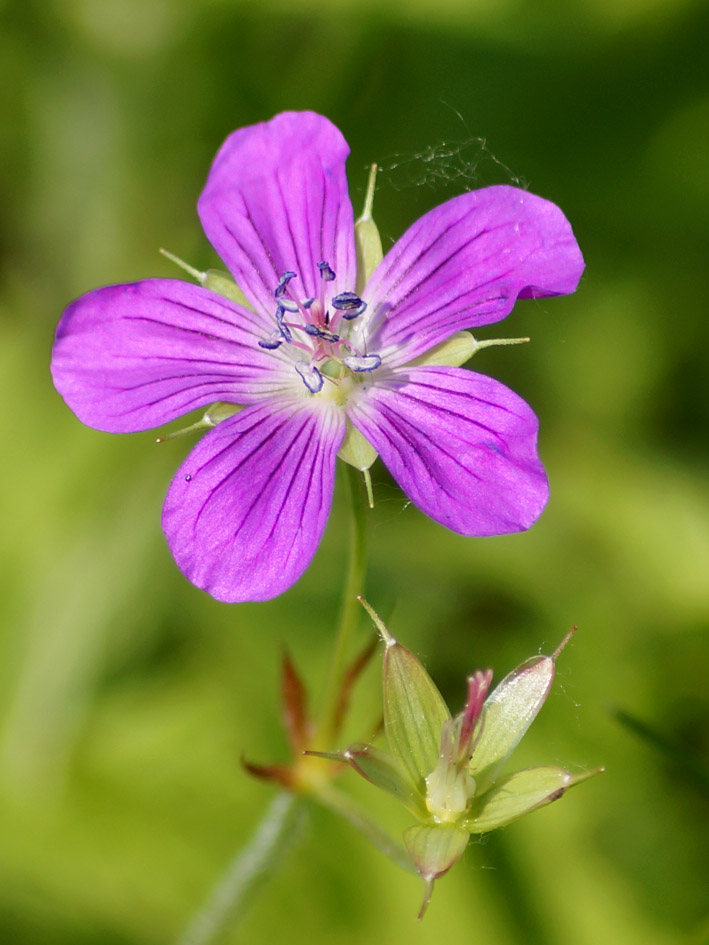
(447, 770)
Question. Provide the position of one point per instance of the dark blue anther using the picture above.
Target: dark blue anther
(364, 362)
(355, 312)
(306, 303)
(321, 333)
(312, 378)
(282, 285)
(326, 272)
(282, 327)
(349, 304)
(288, 305)
(275, 341)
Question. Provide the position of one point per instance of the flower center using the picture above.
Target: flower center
(317, 335)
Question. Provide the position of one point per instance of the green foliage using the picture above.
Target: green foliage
(127, 697)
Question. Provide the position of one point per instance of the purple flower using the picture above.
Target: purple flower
(313, 355)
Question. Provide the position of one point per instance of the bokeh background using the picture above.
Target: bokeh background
(127, 697)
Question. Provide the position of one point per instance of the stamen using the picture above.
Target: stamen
(280, 289)
(365, 362)
(306, 303)
(289, 305)
(326, 272)
(282, 327)
(312, 378)
(321, 333)
(349, 304)
(274, 340)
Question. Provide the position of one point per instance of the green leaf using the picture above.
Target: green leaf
(519, 794)
(508, 713)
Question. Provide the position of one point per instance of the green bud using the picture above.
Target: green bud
(446, 770)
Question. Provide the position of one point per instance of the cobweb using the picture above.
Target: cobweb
(456, 164)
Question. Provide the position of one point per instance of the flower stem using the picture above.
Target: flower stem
(349, 613)
(347, 807)
(260, 858)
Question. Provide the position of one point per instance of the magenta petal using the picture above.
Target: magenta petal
(246, 511)
(276, 201)
(132, 357)
(464, 264)
(462, 446)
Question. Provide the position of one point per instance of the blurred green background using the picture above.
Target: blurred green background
(127, 697)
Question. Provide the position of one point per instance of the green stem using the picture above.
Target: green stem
(259, 859)
(349, 613)
(348, 808)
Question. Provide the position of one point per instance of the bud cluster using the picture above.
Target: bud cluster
(447, 770)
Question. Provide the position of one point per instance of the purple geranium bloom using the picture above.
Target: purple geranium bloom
(312, 356)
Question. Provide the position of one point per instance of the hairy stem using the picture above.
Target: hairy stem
(349, 613)
(257, 860)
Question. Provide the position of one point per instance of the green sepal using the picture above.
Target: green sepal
(356, 450)
(213, 279)
(213, 415)
(434, 849)
(452, 352)
(221, 410)
(369, 251)
(380, 769)
(222, 283)
(414, 713)
(508, 713)
(368, 242)
(519, 794)
(460, 348)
